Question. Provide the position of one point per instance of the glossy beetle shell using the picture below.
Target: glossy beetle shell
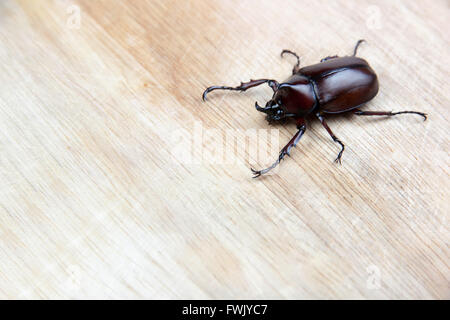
(296, 95)
(341, 84)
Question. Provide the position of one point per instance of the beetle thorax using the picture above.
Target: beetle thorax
(297, 95)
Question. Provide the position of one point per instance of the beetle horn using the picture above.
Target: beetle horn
(265, 110)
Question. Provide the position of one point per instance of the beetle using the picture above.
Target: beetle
(335, 85)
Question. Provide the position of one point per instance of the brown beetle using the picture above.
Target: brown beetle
(335, 85)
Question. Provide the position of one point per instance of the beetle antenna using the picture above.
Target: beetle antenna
(357, 45)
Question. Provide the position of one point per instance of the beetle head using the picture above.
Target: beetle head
(273, 110)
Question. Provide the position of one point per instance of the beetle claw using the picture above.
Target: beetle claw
(338, 159)
(208, 90)
(256, 173)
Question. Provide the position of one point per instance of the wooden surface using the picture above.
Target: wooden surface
(100, 110)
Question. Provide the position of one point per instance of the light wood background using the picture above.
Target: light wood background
(98, 98)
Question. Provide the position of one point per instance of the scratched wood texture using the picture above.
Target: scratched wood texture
(112, 180)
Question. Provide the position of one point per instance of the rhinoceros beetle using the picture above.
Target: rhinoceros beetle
(335, 85)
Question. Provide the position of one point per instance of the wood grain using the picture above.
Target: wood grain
(96, 201)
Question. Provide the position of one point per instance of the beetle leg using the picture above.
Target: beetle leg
(357, 45)
(244, 86)
(328, 58)
(335, 139)
(387, 113)
(355, 50)
(297, 65)
(286, 149)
